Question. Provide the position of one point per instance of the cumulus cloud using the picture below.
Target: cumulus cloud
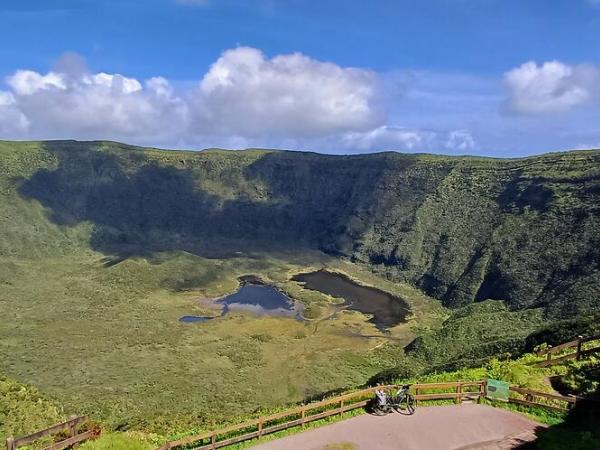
(85, 105)
(13, 122)
(244, 96)
(405, 139)
(549, 88)
(245, 93)
(388, 137)
(460, 140)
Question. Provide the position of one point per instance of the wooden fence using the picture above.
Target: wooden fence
(71, 426)
(540, 399)
(456, 391)
(459, 391)
(579, 344)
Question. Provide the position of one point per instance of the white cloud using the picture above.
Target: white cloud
(246, 99)
(28, 82)
(460, 140)
(405, 139)
(243, 97)
(387, 137)
(84, 105)
(245, 93)
(115, 83)
(12, 121)
(550, 87)
(6, 99)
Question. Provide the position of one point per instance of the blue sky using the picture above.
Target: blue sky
(492, 77)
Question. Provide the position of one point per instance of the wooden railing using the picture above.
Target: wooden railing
(257, 428)
(460, 390)
(455, 390)
(530, 397)
(578, 344)
(71, 426)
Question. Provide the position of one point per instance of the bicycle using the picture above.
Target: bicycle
(403, 401)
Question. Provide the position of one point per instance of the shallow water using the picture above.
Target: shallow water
(260, 299)
(386, 309)
(256, 297)
(194, 319)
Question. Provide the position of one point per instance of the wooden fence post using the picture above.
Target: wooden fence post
(416, 395)
(549, 354)
(579, 345)
(574, 404)
(10, 444)
(260, 427)
(302, 416)
(459, 392)
(341, 407)
(213, 441)
(73, 430)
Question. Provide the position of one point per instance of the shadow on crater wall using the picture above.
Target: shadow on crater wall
(138, 207)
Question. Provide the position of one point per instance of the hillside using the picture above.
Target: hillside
(104, 246)
(462, 229)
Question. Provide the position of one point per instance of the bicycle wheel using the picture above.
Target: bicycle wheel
(410, 403)
(380, 410)
(397, 404)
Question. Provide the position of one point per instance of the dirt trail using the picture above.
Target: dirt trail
(431, 428)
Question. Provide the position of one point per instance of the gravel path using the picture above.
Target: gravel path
(432, 428)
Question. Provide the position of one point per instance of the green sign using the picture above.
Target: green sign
(497, 390)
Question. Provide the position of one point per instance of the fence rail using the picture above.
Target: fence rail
(315, 411)
(579, 346)
(71, 426)
(529, 397)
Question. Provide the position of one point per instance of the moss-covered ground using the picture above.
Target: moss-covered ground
(107, 341)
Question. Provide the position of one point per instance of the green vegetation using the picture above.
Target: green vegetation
(24, 410)
(112, 345)
(118, 441)
(581, 378)
(580, 430)
(472, 333)
(103, 246)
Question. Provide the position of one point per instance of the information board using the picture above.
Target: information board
(497, 390)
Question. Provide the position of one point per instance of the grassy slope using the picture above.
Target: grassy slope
(68, 208)
(108, 342)
(23, 409)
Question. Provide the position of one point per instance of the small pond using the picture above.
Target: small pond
(256, 297)
(387, 310)
(193, 319)
(261, 299)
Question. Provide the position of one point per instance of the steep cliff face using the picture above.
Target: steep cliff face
(526, 231)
